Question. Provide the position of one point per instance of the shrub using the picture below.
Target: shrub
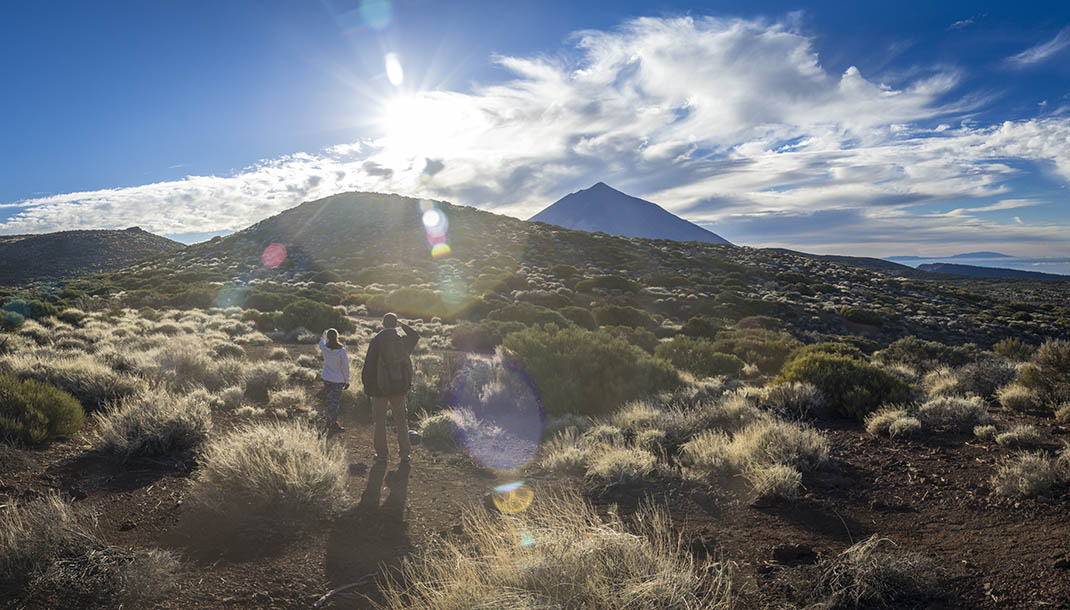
(50, 548)
(953, 414)
(579, 316)
(699, 357)
(85, 377)
(828, 347)
(1028, 475)
(775, 482)
(527, 314)
(306, 313)
(562, 554)
(261, 378)
(623, 315)
(702, 326)
(985, 432)
(868, 576)
(607, 282)
(564, 271)
(484, 336)
(620, 465)
(154, 422)
(1062, 413)
(35, 412)
(1020, 437)
(766, 349)
(853, 387)
(1048, 373)
(904, 427)
(586, 372)
(410, 301)
(879, 423)
(983, 377)
(1013, 348)
(267, 480)
(924, 355)
(278, 353)
(1017, 397)
(228, 350)
(861, 316)
(639, 337)
(795, 400)
(715, 456)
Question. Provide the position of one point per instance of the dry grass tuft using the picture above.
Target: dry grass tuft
(50, 548)
(560, 554)
(1017, 397)
(1031, 474)
(154, 422)
(1022, 436)
(868, 576)
(270, 479)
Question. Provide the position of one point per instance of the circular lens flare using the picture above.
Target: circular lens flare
(515, 498)
(273, 255)
(432, 218)
(377, 14)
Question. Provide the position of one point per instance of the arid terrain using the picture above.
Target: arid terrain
(605, 422)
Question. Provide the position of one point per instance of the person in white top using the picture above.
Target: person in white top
(335, 376)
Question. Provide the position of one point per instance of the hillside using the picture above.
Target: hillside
(604, 209)
(812, 434)
(989, 272)
(69, 254)
(376, 245)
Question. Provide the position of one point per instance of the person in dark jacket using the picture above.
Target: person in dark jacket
(387, 377)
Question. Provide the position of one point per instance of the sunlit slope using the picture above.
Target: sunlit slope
(376, 249)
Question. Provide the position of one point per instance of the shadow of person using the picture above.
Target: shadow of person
(369, 537)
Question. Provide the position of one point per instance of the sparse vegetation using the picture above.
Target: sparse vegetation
(1030, 474)
(34, 412)
(698, 356)
(154, 422)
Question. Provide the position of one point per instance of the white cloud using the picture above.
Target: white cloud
(726, 121)
(1043, 51)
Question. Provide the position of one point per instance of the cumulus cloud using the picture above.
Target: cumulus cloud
(733, 123)
(1043, 51)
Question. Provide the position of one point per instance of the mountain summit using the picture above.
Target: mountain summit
(603, 208)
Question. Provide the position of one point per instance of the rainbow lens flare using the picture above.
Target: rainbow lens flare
(435, 225)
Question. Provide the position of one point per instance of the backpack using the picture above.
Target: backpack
(394, 372)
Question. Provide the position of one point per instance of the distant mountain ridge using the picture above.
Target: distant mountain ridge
(602, 208)
(70, 254)
(964, 255)
(993, 272)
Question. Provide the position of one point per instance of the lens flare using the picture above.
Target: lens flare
(435, 225)
(432, 218)
(513, 498)
(440, 250)
(503, 400)
(394, 73)
(377, 14)
(273, 255)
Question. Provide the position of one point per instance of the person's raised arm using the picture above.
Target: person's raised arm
(411, 336)
(323, 342)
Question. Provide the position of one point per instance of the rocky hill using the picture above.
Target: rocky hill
(604, 209)
(69, 254)
(977, 271)
(368, 248)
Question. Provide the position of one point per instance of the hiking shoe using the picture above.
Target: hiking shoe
(381, 459)
(405, 459)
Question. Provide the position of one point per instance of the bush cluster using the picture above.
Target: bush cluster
(35, 412)
(853, 387)
(699, 357)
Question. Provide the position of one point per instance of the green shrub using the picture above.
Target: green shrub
(564, 271)
(702, 326)
(579, 316)
(698, 356)
(607, 282)
(765, 349)
(411, 302)
(586, 372)
(1013, 348)
(314, 316)
(861, 316)
(34, 412)
(482, 337)
(853, 387)
(923, 355)
(527, 314)
(1048, 373)
(623, 315)
(639, 337)
(1021, 436)
(828, 347)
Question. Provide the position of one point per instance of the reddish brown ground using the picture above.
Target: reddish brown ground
(928, 497)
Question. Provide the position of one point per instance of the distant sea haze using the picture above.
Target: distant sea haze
(1043, 265)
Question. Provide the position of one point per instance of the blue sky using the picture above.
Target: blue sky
(858, 128)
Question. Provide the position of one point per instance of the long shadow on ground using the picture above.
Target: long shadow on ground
(370, 536)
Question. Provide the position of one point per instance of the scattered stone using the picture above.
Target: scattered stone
(127, 525)
(793, 552)
(1063, 564)
(77, 493)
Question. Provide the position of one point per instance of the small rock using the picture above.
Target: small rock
(127, 525)
(1043, 499)
(414, 437)
(1063, 564)
(77, 493)
(792, 552)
